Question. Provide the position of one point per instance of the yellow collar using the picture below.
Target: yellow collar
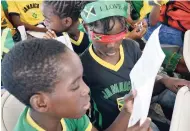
(37, 127)
(106, 64)
(81, 36)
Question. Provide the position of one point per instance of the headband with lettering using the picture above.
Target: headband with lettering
(95, 11)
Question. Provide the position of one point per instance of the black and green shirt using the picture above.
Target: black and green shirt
(108, 83)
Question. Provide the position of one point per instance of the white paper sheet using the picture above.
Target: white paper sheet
(37, 34)
(65, 40)
(186, 49)
(143, 76)
(22, 31)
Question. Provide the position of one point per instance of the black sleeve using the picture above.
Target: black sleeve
(133, 49)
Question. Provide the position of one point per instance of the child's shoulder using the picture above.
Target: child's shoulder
(81, 124)
(22, 124)
(130, 44)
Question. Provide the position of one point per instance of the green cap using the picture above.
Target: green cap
(101, 9)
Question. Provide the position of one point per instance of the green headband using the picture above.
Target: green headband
(101, 9)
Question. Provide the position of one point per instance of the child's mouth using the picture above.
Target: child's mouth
(111, 54)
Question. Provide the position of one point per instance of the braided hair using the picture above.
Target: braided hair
(64, 9)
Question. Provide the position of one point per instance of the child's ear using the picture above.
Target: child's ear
(67, 21)
(39, 102)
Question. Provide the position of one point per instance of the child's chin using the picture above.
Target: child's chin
(82, 114)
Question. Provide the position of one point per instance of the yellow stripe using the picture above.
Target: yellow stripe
(37, 127)
(106, 64)
(33, 123)
(63, 124)
(89, 128)
(81, 35)
(80, 20)
(78, 42)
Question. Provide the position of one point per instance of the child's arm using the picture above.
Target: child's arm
(154, 15)
(17, 22)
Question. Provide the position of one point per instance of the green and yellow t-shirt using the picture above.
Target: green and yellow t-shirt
(29, 11)
(26, 123)
(5, 23)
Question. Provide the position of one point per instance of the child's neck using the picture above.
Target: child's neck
(73, 31)
(46, 122)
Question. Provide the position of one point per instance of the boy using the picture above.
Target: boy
(109, 60)
(63, 17)
(47, 77)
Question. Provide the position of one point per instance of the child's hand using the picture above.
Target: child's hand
(144, 23)
(50, 35)
(136, 33)
(144, 127)
(174, 84)
(129, 99)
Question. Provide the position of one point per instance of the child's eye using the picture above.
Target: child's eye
(75, 86)
(74, 89)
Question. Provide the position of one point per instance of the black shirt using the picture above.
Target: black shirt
(108, 83)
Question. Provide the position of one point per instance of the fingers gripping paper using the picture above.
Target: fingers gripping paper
(143, 76)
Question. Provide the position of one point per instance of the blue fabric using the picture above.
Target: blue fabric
(167, 35)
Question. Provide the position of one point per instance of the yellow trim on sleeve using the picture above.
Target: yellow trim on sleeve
(32, 122)
(63, 124)
(106, 64)
(89, 128)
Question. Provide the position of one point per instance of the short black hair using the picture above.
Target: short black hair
(32, 66)
(105, 22)
(63, 9)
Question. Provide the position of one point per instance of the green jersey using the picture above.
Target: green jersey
(25, 123)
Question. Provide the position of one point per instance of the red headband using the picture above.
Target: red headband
(108, 38)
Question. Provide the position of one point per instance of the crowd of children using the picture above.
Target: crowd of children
(88, 89)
